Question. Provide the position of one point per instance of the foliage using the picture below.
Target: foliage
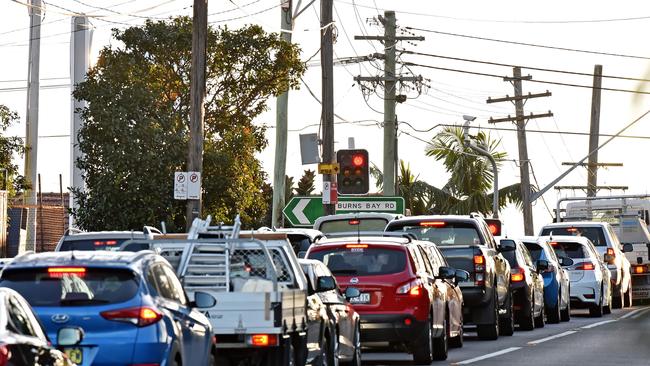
(135, 131)
(9, 146)
(306, 183)
(288, 188)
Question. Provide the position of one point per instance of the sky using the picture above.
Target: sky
(611, 32)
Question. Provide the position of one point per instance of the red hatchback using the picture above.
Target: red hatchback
(401, 300)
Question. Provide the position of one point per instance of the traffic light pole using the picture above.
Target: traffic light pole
(327, 114)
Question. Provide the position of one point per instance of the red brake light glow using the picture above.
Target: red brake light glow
(433, 223)
(357, 160)
(479, 259)
(415, 291)
(263, 340)
(517, 277)
(571, 229)
(610, 251)
(5, 355)
(104, 242)
(553, 243)
(140, 316)
(586, 267)
(356, 246)
(354, 222)
(639, 269)
(61, 271)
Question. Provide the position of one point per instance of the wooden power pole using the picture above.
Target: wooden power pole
(197, 100)
(390, 80)
(520, 119)
(592, 165)
(327, 69)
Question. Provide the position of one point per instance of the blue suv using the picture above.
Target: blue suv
(130, 307)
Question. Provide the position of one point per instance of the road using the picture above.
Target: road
(617, 339)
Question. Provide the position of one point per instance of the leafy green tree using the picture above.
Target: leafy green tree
(135, 131)
(288, 188)
(469, 188)
(10, 146)
(306, 183)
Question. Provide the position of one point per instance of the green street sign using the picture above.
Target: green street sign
(303, 211)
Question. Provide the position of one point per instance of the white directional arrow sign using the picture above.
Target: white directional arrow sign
(298, 211)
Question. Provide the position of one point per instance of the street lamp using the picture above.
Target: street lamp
(469, 143)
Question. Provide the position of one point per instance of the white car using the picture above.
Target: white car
(590, 278)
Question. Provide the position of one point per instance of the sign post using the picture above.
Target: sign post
(194, 185)
(180, 185)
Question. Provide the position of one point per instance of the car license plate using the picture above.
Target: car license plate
(361, 299)
(75, 354)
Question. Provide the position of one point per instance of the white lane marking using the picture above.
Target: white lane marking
(489, 355)
(638, 315)
(552, 337)
(632, 313)
(599, 323)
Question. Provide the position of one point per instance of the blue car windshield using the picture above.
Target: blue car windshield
(71, 286)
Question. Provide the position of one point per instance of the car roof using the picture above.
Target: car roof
(576, 224)
(311, 233)
(568, 238)
(371, 240)
(415, 219)
(104, 234)
(360, 215)
(99, 258)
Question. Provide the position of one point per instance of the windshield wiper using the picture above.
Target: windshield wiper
(83, 301)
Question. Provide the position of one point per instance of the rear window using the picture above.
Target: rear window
(511, 257)
(75, 286)
(351, 225)
(357, 260)
(571, 250)
(536, 251)
(92, 244)
(595, 234)
(444, 233)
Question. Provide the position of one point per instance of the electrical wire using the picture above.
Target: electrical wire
(529, 44)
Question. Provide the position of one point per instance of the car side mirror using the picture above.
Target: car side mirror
(565, 261)
(203, 300)
(628, 248)
(461, 275)
(541, 265)
(608, 258)
(506, 245)
(66, 337)
(325, 283)
(446, 273)
(352, 292)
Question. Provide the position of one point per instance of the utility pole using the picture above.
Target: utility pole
(197, 100)
(520, 119)
(390, 80)
(80, 62)
(281, 123)
(31, 140)
(592, 167)
(327, 114)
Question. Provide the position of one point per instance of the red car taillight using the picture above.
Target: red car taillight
(517, 275)
(479, 270)
(140, 316)
(262, 340)
(640, 269)
(587, 266)
(5, 355)
(412, 289)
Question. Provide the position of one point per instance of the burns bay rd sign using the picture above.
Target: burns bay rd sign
(303, 211)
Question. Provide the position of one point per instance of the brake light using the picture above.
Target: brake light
(356, 246)
(517, 275)
(413, 289)
(5, 355)
(106, 242)
(610, 251)
(553, 243)
(354, 222)
(640, 269)
(262, 340)
(140, 316)
(588, 266)
(571, 229)
(58, 272)
(433, 223)
(479, 270)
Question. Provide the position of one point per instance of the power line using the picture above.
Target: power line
(522, 66)
(531, 80)
(568, 21)
(528, 44)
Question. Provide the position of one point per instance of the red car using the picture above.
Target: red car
(402, 300)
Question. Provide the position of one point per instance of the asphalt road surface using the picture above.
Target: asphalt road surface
(621, 338)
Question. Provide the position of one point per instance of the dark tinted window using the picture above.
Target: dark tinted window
(359, 261)
(536, 251)
(444, 233)
(511, 257)
(92, 244)
(19, 320)
(91, 287)
(458, 258)
(572, 250)
(299, 243)
(595, 234)
(345, 226)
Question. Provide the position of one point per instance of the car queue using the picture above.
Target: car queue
(416, 287)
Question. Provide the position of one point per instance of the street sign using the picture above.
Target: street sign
(330, 195)
(180, 185)
(193, 185)
(303, 211)
(328, 168)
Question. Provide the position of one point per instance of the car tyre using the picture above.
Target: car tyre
(441, 344)
(490, 332)
(608, 309)
(423, 348)
(356, 358)
(618, 301)
(507, 325)
(527, 321)
(596, 310)
(553, 314)
(566, 313)
(457, 341)
(628, 297)
(283, 355)
(175, 359)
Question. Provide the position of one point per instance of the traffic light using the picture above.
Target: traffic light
(495, 226)
(353, 176)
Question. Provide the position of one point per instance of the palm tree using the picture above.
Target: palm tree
(471, 175)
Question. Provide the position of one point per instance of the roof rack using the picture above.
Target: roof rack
(202, 229)
(72, 230)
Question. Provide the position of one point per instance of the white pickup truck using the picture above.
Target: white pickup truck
(258, 290)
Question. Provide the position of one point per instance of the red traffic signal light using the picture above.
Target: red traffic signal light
(354, 173)
(495, 226)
